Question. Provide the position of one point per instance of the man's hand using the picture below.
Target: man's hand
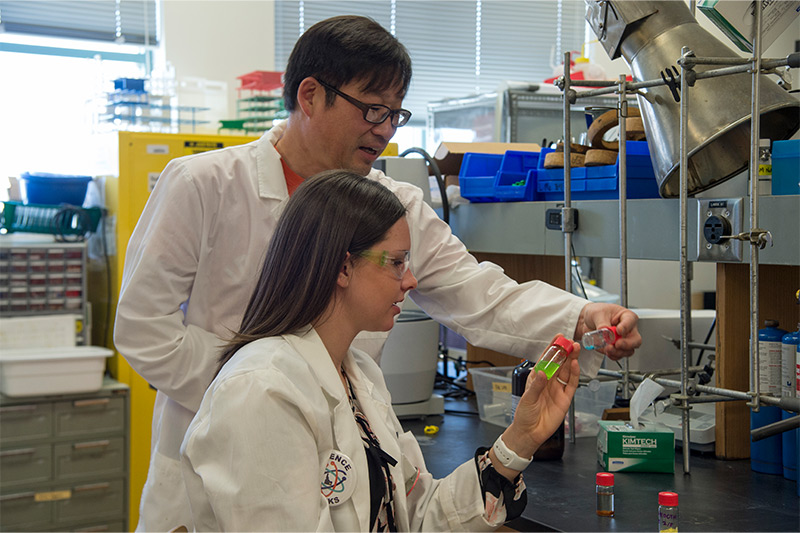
(597, 315)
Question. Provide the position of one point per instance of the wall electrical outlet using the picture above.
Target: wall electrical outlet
(719, 220)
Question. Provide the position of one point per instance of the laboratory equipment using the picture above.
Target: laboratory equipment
(409, 360)
(649, 36)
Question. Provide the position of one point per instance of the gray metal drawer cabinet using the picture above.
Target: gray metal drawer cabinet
(64, 461)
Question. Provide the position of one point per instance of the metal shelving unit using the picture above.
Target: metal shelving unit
(756, 236)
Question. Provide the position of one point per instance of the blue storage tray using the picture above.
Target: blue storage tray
(602, 183)
(786, 167)
(516, 179)
(132, 85)
(53, 189)
(477, 176)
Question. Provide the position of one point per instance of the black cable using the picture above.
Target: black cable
(457, 412)
(580, 281)
(70, 217)
(439, 180)
(708, 336)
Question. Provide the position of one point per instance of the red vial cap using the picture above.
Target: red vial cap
(605, 479)
(614, 331)
(565, 343)
(668, 498)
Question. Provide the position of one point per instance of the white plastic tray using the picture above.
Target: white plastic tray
(42, 371)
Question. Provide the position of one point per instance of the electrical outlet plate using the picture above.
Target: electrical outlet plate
(729, 210)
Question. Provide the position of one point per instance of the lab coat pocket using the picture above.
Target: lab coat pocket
(411, 463)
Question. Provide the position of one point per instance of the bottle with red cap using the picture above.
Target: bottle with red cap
(667, 512)
(549, 362)
(605, 493)
(600, 338)
(554, 356)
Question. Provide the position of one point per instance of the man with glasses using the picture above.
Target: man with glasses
(194, 257)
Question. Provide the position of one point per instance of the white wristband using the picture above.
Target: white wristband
(509, 457)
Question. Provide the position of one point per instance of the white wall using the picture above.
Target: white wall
(219, 40)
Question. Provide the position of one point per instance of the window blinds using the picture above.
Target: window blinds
(457, 47)
(123, 21)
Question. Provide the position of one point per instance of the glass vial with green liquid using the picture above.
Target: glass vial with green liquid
(549, 362)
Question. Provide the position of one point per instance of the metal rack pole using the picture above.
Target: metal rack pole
(755, 124)
(684, 238)
(567, 218)
(622, 114)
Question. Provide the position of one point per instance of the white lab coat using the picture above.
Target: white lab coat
(255, 453)
(193, 261)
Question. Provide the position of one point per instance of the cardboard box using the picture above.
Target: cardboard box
(448, 155)
(736, 19)
(621, 448)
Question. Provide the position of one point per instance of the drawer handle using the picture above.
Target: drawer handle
(19, 496)
(17, 408)
(21, 451)
(93, 486)
(94, 401)
(93, 444)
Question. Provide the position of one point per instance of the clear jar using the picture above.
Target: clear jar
(599, 338)
(554, 356)
(605, 493)
(667, 512)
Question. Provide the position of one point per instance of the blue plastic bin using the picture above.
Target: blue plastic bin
(602, 183)
(516, 179)
(53, 189)
(132, 85)
(786, 167)
(477, 176)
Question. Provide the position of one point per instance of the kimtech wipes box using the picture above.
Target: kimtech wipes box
(621, 448)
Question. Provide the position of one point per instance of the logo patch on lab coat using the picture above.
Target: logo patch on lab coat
(338, 478)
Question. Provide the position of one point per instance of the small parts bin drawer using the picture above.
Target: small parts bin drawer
(87, 458)
(85, 503)
(91, 501)
(25, 510)
(25, 422)
(26, 464)
(89, 416)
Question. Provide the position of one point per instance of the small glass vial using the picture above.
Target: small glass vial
(549, 362)
(605, 493)
(554, 356)
(600, 338)
(667, 511)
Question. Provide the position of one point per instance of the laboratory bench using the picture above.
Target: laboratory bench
(717, 495)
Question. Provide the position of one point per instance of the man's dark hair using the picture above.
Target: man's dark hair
(343, 49)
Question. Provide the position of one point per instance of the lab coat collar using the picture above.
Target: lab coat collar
(271, 182)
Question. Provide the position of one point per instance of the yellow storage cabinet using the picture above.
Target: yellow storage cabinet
(142, 157)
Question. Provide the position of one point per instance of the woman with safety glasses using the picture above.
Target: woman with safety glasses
(297, 431)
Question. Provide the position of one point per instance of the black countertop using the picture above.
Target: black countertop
(716, 495)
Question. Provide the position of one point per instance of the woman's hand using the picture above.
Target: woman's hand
(541, 410)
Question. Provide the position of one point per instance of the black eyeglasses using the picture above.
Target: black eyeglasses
(373, 113)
